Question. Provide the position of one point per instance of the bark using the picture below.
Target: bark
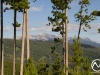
(78, 37)
(2, 51)
(15, 14)
(63, 39)
(22, 52)
(27, 34)
(66, 43)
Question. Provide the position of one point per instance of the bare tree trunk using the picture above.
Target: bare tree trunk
(2, 66)
(23, 39)
(14, 56)
(66, 42)
(2, 50)
(27, 35)
(63, 39)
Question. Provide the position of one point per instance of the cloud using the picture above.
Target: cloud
(36, 9)
(6, 29)
(72, 27)
(42, 28)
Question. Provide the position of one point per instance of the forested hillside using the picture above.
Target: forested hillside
(42, 49)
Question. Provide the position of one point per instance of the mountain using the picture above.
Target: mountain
(47, 37)
(85, 40)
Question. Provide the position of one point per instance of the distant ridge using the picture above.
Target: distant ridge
(47, 37)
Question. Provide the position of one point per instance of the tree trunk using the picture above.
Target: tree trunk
(2, 51)
(22, 52)
(15, 13)
(63, 39)
(66, 42)
(27, 34)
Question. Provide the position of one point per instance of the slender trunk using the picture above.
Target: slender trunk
(63, 39)
(15, 14)
(27, 35)
(22, 52)
(79, 32)
(66, 42)
(78, 37)
(2, 69)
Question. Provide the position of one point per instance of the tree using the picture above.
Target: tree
(96, 13)
(30, 68)
(59, 21)
(57, 68)
(83, 19)
(1, 16)
(16, 5)
(42, 68)
(27, 34)
(22, 51)
(79, 63)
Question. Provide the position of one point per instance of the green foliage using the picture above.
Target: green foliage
(30, 68)
(17, 5)
(17, 24)
(95, 13)
(59, 16)
(57, 68)
(40, 49)
(79, 63)
(42, 68)
(99, 30)
(86, 18)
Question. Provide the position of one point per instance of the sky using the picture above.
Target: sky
(38, 18)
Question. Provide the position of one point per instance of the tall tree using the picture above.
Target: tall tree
(27, 34)
(15, 14)
(22, 51)
(83, 19)
(16, 5)
(1, 16)
(79, 63)
(58, 22)
(66, 42)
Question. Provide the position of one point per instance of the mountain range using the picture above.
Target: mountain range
(47, 37)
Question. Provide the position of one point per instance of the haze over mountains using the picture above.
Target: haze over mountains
(47, 37)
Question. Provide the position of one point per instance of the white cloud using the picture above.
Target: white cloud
(6, 29)
(43, 28)
(36, 9)
(75, 27)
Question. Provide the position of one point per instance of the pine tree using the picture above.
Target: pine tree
(43, 68)
(30, 68)
(84, 19)
(16, 5)
(80, 64)
(1, 16)
(58, 22)
(22, 51)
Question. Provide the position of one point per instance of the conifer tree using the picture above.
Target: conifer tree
(58, 22)
(30, 68)
(16, 5)
(42, 68)
(1, 35)
(79, 63)
(84, 19)
(57, 67)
